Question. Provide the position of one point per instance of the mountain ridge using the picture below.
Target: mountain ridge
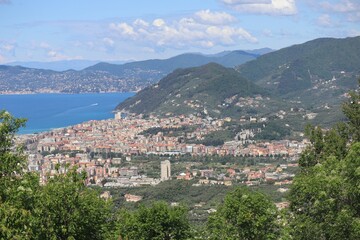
(297, 67)
(192, 90)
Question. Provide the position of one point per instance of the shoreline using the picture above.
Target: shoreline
(39, 93)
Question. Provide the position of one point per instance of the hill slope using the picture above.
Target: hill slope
(211, 89)
(304, 66)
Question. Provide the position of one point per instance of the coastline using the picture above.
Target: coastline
(72, 93)
(49, 111)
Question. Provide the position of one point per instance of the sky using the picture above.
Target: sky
(117, 30)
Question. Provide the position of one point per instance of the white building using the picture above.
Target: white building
(165, 170)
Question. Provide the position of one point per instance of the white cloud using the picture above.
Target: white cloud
(204, 29)
(108, 42)
(158, 22)
(58, 56)
(123, 28)
(341, 6)
(141, 23)
(217, 18)
(353, 33)
(108, 45)
(8, 47)
(273, 7)
(350, 8)
(325, 21)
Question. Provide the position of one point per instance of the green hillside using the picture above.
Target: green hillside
(303, 66)
(210, 89)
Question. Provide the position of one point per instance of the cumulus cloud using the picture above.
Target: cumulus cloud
(7, 48)
(204, 29)
(217, 18)
(108, 44)
(158, 23)
(123, 28)
(273, 7)
(325, 21)
(58, 56)
(350, 8)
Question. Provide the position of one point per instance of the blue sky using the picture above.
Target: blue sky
(51, 30)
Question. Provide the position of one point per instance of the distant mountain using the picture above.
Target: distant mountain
(56, 65)
(29, 80)
(60, 65)
(150, 71)
(210, 89)
(133, 76)
(324, 63)
(260, 51)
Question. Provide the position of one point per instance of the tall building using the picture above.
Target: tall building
(165, 170)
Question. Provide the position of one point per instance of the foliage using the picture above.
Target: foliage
(62, 209)
(206, 85)
(12, 160)
(323, 144)
(273, 131)
(294, 67)
(351, 109)
(16, 187)
(244, 215)
(67, 209)
(158, 221)
(324, 199)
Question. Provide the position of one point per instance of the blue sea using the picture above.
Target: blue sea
(48, 111)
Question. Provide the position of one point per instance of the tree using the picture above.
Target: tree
(157, 222)
(12, 160)
(244, 215)
(67, 209)
(351, 109)
(62, 209)
(325, 199)
(325, 195)
(323, 144)
(16, 186)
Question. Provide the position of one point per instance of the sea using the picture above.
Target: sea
(45, 112)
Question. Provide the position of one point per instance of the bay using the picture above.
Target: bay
(48, 111)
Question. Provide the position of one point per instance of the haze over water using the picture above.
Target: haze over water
(48, 111)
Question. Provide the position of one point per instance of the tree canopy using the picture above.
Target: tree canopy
(244, 215)
(62, 209)
(159, 222)
(325, 195)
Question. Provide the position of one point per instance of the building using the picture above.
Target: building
(165, 170)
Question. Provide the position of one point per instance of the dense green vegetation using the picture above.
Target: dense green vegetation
(325, 196)
(244, 215)
(313, 77)
(296, 66)
(159, 221)
(64, 208)
(206, 86)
